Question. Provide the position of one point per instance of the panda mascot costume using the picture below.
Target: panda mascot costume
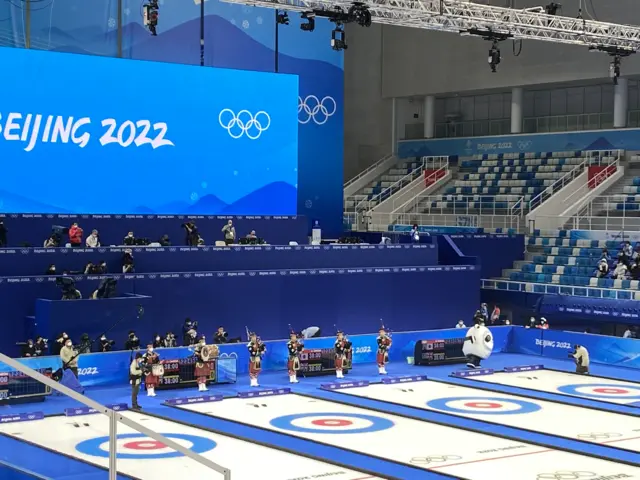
(478, 344)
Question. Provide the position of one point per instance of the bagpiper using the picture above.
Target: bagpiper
(152, 374)
(341, 347)
(203, 364)
(294, 346)
(256, 350)
(382, 355)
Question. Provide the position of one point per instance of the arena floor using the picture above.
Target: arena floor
(545, 424)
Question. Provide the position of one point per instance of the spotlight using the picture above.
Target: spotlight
(338, 39)
(614, 69)
(282, 18)
(360, 14)
(310, 17)
(150, 16)
(552, 8)
(494, 56)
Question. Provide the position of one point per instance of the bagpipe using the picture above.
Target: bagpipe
(347, 343)
(299, 344)
(261, 347)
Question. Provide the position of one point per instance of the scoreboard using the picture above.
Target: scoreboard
(439, 352)
(181, 373)
(16, 387)
(321, 361)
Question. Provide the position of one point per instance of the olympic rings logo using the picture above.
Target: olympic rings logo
(565, 475)
(434, 459)
(599, 435)
(312, 108)
(244, 123)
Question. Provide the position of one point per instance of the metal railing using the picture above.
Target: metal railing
(367, 170)
(114, 419)
(550, 288)
(593, 157)
(574, 222)
(382, 221)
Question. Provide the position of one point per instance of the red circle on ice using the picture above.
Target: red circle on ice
(145, 445)
(332, 422)
(482, 405)
(611, 391)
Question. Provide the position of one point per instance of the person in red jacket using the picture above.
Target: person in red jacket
(75, 235)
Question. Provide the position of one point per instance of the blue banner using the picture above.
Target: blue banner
(584, 308)
(33, 261)
(552, 142)
(102, 369)
(616, 351)
(167, 139)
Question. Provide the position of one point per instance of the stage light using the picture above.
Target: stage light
(150, 16)
(494, 56)
(310, 26)
(282, 18)
(338, 39)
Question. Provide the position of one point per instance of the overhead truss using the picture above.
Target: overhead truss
(459, 16)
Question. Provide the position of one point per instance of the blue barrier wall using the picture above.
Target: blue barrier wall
(495, 252)
(102, 369)
(627, 139)
(15, 262)
(35, 229)
(620, 352)
(8, 473)
(450, 254)
(407, 298)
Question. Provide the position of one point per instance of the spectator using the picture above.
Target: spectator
(129, 240)
(415, 233)
(170, 340)
(495, 314)
(127, 262)
(157, 341)
(93, 241)
(620, 272)
(164, 241)
(29, 349)
(3, 235)
(602, 270)
(478, 317)
(484, 310)
(605, 255)
(532, 323)
(543, 324)
(460, 324)
(229, 233)
(133, 342)
(41, 346)
(51, 270)
(51, 242)
(75, 236)
(627, 250)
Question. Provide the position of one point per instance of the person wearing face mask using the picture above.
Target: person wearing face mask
(129, 240)
(135, 378)
(152, 377)
(203, 366)
(157, 341)
(170, 340)
(105, 344)
(29, 350)
(133, 342)
(460, 324)
(41, 346)
(69, 357)
(51, 270)
(59, 343)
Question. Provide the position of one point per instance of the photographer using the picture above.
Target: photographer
(69, 357)
(581, 357)
(105, 344)
(127, 261)
(165, 241)
(192, 234)
(85, 344)
(59, 343)
(29, 349)
(41, 346)
(189, 332)
(133, 342)
(135, 378)
(51, 270)
(158, 342)
(229, 233)
(222, 337)
(129, 240)
(69, 290)
(52, 242)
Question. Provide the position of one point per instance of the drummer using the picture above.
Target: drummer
(153, 370)
(203, 367)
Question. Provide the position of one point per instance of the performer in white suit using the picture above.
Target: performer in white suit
(478, 345)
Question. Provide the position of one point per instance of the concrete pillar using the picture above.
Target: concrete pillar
(620, 103)
(516, 110)
(429, 113)
(394, 125)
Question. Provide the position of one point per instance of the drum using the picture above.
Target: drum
(157, 370)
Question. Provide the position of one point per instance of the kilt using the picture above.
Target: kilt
(382, 357)
(151, 380)
(203, 369)
(293, 365)
(255, 365)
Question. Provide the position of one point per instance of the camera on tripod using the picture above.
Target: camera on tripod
(150, 16)
(68, 287)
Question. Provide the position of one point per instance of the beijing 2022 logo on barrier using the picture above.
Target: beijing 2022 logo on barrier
(244, 123)
(312, 108)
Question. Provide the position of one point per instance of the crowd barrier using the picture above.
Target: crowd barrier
(28, 261)
(33, 229)
(495, 252)
(104, 369)
(615, 351)
(407, 298)
(9, 472)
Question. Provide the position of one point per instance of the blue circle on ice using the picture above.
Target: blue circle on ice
(92, 446)
(610, 390)
(495, 403)
(332, 419)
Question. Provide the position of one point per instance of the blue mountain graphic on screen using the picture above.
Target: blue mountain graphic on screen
(14, 203)
(600, 144)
